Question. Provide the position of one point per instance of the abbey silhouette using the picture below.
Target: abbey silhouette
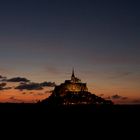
(73, 92)
(74, 85)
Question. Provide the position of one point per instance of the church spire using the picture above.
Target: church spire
(73, 78)
(73, 75)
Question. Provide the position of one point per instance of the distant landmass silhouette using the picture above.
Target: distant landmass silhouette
(72, 98)
(74, 92)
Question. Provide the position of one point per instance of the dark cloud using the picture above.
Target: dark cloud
(25, 84)
(18, 79)
(3, 86)
(2, 78)
(34, 86)
(48, 84)
(29, 86)
(116, 96)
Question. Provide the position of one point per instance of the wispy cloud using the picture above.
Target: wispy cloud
(114, 56)
(52, 70)
(120, 74)
(116, 96)
(14, 99)
(136, 101)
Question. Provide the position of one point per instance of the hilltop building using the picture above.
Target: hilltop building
(73, 92)
(74, 85)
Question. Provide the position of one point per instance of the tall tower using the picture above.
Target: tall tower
(73, 76)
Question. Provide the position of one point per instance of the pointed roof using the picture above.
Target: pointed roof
(73, 75)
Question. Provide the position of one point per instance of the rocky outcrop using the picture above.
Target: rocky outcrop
(72, 98)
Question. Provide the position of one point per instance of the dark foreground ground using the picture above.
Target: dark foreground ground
(91, 110)
(70, 119)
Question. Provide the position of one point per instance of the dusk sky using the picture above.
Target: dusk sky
(42, 40)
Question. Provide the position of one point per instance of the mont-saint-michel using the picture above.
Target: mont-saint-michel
(74, 92)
